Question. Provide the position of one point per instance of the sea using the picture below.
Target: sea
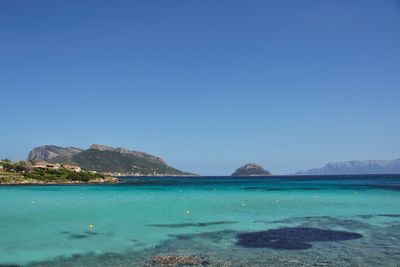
(222, 221)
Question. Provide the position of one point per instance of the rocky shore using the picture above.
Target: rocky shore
(24, 181)
(25, 172)
(176, 260)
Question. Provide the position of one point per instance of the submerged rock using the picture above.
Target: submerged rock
(175, 260)
(201, 224)
(295, 238)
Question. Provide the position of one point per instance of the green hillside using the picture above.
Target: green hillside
(112, 161)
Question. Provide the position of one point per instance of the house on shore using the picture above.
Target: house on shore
(71, 167)
(45, 165)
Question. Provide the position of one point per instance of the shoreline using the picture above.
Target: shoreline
(122, 179)
(108, 180)
(58, 184)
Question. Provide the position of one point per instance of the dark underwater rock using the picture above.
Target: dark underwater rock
(182, 225)
(175, 260)
(296, 238)
(390, 215)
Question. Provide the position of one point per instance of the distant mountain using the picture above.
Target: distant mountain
(102, 158)
(251, 169)
(50, 153)
(357, 167)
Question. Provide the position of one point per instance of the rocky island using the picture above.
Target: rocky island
(105, 159)
(251, 169)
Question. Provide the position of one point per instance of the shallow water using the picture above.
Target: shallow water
(279, 221)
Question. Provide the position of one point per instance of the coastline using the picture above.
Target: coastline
(119, 174)
(107, 180)
(121, 179)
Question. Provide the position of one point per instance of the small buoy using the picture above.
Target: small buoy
(243, 204)
(188, 212)
(90, 226)
(33, 201)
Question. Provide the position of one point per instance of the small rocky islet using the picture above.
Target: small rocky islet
(251, 169)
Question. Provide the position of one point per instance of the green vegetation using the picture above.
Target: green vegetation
(116, 162)
(62, 175)
(22, 172)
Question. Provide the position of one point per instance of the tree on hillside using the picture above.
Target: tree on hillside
(7, 166)
(23, 166)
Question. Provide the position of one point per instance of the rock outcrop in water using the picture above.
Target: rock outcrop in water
(175, 260)
(106, 159)
(356, 167)
(251, 169)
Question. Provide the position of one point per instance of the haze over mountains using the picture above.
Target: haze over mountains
(356, 167)
(103, 158)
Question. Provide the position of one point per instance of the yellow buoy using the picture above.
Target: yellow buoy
(90, 226)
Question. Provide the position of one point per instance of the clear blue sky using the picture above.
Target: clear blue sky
(207, 85)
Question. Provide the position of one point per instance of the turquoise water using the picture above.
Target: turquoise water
(129, 223)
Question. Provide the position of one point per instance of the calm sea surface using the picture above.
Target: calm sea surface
(274, 221)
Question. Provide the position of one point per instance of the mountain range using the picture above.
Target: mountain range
(356, 167)
(107, 159)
